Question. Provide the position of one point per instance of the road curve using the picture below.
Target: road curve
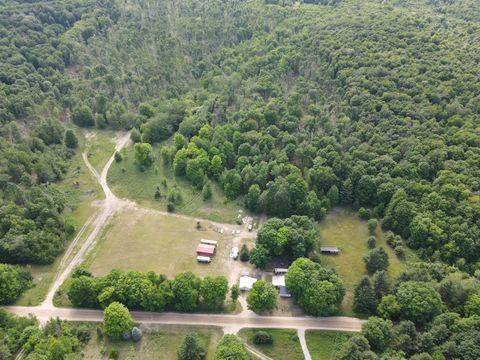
(339, 323)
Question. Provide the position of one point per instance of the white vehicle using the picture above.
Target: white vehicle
(250, 227)
(234, 253)
(204, 259)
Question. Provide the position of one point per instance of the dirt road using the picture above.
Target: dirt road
(109, 206)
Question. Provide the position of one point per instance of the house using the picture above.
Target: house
(330, 250)
(205, 250)
(278, 280)
(246, 282)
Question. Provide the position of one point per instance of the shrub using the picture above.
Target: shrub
(372, 242)
(262, 338)
(118, 156)
(244, 253)
(400, 251)
(170, 207)
(136, 334)
(113, 353)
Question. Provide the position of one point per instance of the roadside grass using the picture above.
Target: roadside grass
(127, 181)
(100, 146)
(324, 345)
(157, 343)
(81, 189)
(147, 240)
(286, 345)
(343, 228)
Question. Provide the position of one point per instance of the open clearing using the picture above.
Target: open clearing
(324, 345)
(147, 240)
(157, 343)
(285, 343)
(344, 229)
(127, 181)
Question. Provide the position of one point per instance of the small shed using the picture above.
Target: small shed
(246, 282)
(205, 250)
(329, 250)
(280, 271)
(278, 280)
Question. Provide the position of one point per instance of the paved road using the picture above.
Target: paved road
(225, 321)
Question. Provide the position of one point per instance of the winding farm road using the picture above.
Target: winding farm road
(230, 323)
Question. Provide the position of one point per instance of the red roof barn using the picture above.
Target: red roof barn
(205, 249)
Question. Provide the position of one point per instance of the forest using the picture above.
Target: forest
(296, 109)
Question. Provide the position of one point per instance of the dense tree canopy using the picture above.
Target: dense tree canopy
(317, 289)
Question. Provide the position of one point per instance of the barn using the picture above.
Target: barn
(205, 250)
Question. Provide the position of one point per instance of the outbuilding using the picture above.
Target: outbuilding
(329, 250)
(246, 282)
(205, 250)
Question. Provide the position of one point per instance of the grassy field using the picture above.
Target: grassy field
(144, 240)
(285, 343)
(324, 345)
(157, 343)
(344, 229)
(127, 181)
(81, 189)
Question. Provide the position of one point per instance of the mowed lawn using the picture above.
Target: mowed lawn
(324, 345)
(156, 344)
(343, 228)
(145, 240)
(127, 181)
(286, 345)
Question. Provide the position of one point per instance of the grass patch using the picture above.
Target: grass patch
(100, 146)
(155, 344)
(344, 229)
(127, 181)
(286, 345)
(147, 240)
(324, 345)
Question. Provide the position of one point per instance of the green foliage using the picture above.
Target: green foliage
(262, 297)
(378, 332)
(372, 242)
(14, 280)
(82, 116)
(143, 154)
(71, 140)
(207, 191)
(118, 156)
(234, 292)
(117, 320)
(418, 301)
(262, 338)
(213, 291)
(191, 348)
(230, 347)
(365, 300)
(317, 289)
(376, 260)
(244, 253)
(293, 237)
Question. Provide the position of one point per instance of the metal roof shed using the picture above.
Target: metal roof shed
(204, 249)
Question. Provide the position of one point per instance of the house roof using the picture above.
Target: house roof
(246, 282)
(278, 280)
(280, 271)
(205, 249)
